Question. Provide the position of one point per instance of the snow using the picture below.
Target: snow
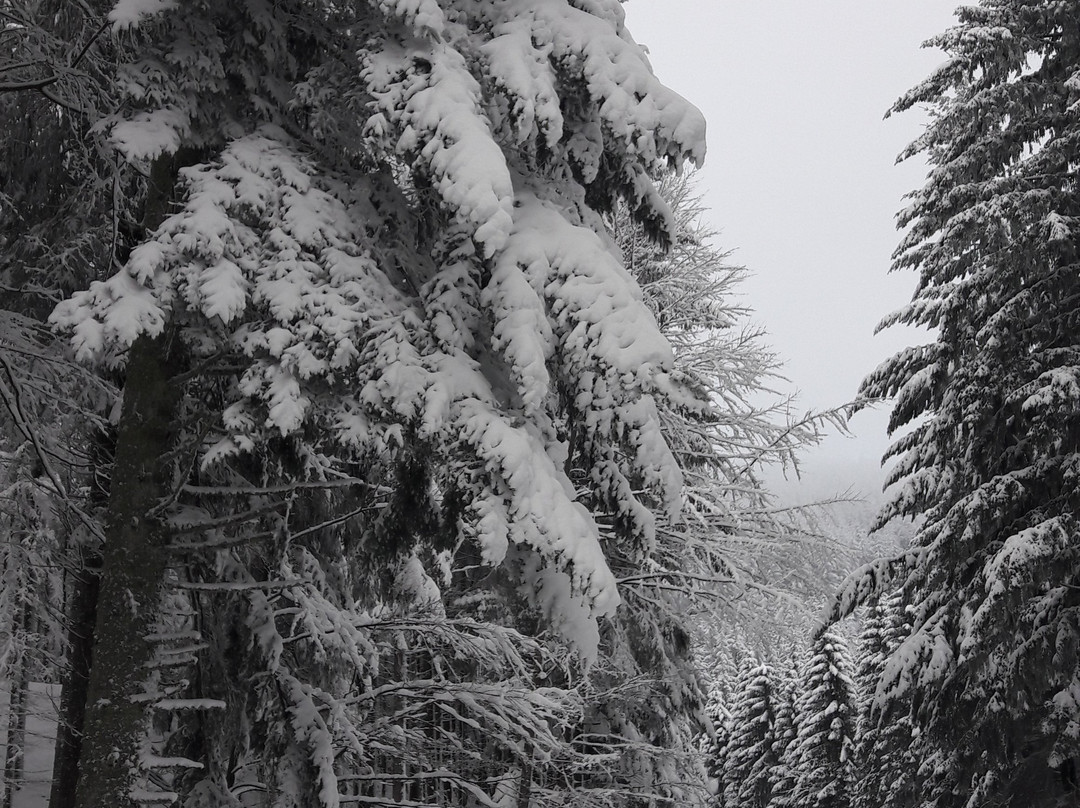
(158, 762)
(147, 135)
(225, 289)
(348, 332)
(428, 91)
(130, 13)
(419, 588)
(423, 15)
(42, 706)
(553, 591)
(522, 332)
(1056, 389)
(522, 68)
(1059, 228)
(492, 522)
(311, 729)
(653, 121)
(153, 797)
(542, 514)
(128, 310)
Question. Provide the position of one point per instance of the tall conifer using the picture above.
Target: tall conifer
(992, 408)
(749, 758)
(826, 718)
(374, 334)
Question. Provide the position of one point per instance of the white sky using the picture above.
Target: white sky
(801, 179)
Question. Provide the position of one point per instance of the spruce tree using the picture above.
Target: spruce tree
(988, 461)
(785, 734)
(874, 649)
(714, 747)
(370, 327)
(887, 754)
(749, 757)
(826, 718)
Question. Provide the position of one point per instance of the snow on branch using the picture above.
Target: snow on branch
(427, 94)
(863, 585)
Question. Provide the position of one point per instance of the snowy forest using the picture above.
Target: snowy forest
(381, 425)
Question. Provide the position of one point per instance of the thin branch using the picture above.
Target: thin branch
(179, 529)
(30, 84)
(20, 65)
(284, 488)
(12, 402)
(241, 586)
(89, 42)
(337, 520)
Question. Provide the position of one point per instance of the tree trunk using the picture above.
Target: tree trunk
(524, 795)
(132, 575)
(133, 559)
(15, 745)
(82, 611)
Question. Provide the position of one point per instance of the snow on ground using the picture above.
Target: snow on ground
(33, 792)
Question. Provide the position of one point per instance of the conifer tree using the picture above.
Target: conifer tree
(785, 733)
(874, 649)
(989, 461)
(715, 746)
(887, 754)
(826, 717)
(749, 757)
(369, 325)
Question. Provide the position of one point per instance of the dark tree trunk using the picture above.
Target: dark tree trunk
(82, 610)
(15, 737)
(133, 558)
(132, 575)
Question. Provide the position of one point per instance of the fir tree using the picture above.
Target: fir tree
(989, 461)
(874, 649)
(826, 718)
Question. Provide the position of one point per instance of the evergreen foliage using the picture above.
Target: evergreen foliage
(785, 734)
(381, 369)
(714, 747)
(749, 759)
(826, 716)
(887, 754)
(989, 461)
(415, 428)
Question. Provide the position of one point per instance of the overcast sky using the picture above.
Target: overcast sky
(801, 178)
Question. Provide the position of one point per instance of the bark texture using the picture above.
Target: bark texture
(134, 558)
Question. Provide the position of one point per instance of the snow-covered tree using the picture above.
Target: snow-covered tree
(749, 759)
(367, 315)
(737, 531)
(60, 212)
(874, 648)
(47, 521)
(887, 753)
(826, 716)
(708, 571)
(785, 734)
(989, 459)
(714, 747)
